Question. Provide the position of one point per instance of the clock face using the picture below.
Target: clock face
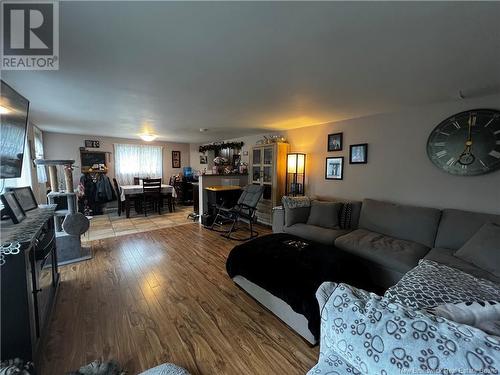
(467, 143)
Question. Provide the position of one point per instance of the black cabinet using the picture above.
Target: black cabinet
(29, 283)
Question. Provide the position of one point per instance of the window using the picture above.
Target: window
(25, 179)
(137, 161)
(40, 169)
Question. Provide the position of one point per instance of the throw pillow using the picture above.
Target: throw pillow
(431, 284)
(296, 209)
(345, 216)
(470, 313)
(483, 249)
(377, 336)
(325, 214)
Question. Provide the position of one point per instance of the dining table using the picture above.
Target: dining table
(127, 191)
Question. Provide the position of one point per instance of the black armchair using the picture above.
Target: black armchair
(245, 208)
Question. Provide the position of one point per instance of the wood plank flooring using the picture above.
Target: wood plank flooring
(164, 296)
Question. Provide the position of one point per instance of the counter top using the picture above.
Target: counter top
(224, 175)
(222, 188)
(27, 229)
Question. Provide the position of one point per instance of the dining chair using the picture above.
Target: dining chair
(121, 206)
(151, 192)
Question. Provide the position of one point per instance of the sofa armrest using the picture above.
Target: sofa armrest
(278, 219)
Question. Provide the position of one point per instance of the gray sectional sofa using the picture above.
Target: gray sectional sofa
(390, 239)
(386, 240)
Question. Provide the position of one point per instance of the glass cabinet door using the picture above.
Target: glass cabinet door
(268, 155)
(267, 177)
(256, 173)
(256, 156)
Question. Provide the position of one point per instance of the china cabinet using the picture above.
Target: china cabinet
(268, 168)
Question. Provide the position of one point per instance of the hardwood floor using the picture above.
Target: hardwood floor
(164, 296)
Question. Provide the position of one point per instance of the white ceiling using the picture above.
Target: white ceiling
(241, 68)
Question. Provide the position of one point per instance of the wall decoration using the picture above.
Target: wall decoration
(467, 144)
(12, 206)
(220, 146)
(335, 142)
(334, 169)
(358, 154)
(203, 159)
(92, 144)
(176, 159)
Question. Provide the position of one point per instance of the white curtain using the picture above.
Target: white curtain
(40, 169)
(137, 161)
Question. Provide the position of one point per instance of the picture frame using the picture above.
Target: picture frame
(203, 159)
(176, 159)
(358, 153)
(334, 168)
(25, 197)
(92, 143)
(12, 206)
(335, 142)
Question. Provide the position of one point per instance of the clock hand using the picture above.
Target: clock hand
(466, 157)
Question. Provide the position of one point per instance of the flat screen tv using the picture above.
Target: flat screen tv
(13, 120)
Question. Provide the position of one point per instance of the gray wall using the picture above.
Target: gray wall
(398, 168)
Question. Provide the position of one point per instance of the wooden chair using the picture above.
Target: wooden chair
(136, 180)
(151, 192)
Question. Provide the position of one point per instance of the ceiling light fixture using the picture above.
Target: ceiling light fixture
(148, 137)
(3, 110)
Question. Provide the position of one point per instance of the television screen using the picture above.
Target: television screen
(13, 120)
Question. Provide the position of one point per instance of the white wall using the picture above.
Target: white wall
(398, 168)
(67, 146)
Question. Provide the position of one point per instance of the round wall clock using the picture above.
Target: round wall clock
(468, 143)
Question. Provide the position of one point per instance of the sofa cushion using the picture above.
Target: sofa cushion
(314, 233)
(447, 257)
(296, 209)
(325, 214)
(394, 253)
(457, 227)
(376, 336)
(417, 224)
(483, 249)
(431, 284)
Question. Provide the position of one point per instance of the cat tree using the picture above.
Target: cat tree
(69, 224)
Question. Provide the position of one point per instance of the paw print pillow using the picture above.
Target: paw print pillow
(377, 336)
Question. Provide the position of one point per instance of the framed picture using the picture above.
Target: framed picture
(358, 154)
(12, 206)
(91, 143)
(335, 142)
(203, 159)
(25, 197)
(176, 159)
(334, 169)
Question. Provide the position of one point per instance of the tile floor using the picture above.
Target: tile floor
(112, 225)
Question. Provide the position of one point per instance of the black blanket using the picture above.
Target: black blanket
(289, 271)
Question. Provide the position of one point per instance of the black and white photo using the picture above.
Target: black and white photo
(358, 154)
(334, 169)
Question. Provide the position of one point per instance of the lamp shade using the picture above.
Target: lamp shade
(292, 163)
(295, 173)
